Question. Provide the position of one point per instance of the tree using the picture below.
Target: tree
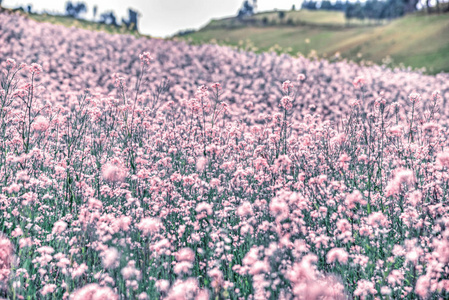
(131, 23)
(281, 15)
(108, 18)
(246, 10)
(310, 5)
(354, 10)
(340, 5)
(264, 20)
(375, 9)
(410, 5)
(326, 5)
(75, 9)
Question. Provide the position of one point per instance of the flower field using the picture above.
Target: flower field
(150, 169)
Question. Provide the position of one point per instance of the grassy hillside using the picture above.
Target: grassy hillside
(415, 40)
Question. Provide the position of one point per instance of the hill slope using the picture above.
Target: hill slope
(415, 40)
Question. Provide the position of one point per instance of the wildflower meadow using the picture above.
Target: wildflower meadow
(135, 168)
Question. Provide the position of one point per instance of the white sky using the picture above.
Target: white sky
(159, 18)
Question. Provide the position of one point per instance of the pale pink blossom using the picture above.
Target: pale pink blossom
(94, 292)
(6, 253)
(337, 254)
(149, 226)
(113, 173)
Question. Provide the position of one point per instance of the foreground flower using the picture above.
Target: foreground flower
(5, 259)
(94, 291)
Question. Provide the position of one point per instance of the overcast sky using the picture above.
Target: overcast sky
(160, 17)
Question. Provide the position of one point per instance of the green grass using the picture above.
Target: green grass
(419, 41)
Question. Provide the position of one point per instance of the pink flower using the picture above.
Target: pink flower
(119, 80)
(35, 68)
(40, 124)
(259, 267)
(203, 295)
(201, 164)
(431, 126)
(160, 246)
(395, 278)
(145, 58)
(436, 94)
(59, 227)
(443, 159)
(113, 173)
(287, 102)
(25, 242)
(359, 81)
(216, 85)
(5, 258)
(422, 287)
(130, 271)
(251, 257)
(45, 250)
(204, 207)
(48, 289)
(377, 219)
(110, 258)
(354, 198)
(245, 209)
(413, 254)
(343, 225)
(279, 208)
(402, 176)
(286, 85)
(94, 292)
(414, 97)
(10, 63)
(365, 288)
(181, 289)
(79, 270)
(162, 285)
(217, 277)
(14, 188)
(337, 254)
(17, 232)
(182, 267)
(149, 226)
(185, 254)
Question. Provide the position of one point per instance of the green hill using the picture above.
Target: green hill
(417, 40)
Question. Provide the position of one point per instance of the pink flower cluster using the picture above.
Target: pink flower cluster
(203, 177)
